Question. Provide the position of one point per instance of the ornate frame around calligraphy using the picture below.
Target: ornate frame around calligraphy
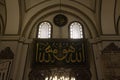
(60, 52)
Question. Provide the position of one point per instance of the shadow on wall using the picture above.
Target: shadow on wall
(6, 57)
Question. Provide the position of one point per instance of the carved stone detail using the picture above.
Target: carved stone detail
(110, 59)
(112, 47)
(6, 53)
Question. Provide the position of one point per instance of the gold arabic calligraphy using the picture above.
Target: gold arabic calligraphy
(70, 54)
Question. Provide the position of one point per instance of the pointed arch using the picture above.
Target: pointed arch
(69, 10)
(118, 25)
(1, 25)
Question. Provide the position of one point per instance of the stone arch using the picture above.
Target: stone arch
(1, 25)
(67, 10)
(118, 25)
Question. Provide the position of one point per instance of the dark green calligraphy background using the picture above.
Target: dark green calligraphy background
(58, 52)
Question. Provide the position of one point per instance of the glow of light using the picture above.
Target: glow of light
(46, 78)
(50, 77)
(60, 78)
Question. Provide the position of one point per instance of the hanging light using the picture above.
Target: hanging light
(60, 74)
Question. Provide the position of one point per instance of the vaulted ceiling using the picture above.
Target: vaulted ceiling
(102, 17)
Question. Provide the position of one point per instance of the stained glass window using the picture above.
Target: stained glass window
(44, 30)
(76, 31)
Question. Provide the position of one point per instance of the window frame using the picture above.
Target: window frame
(70, 31)
(38, 30)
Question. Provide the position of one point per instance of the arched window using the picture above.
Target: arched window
(44, 30)
(76, 31)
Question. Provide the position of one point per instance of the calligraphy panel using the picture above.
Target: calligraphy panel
(60, 52)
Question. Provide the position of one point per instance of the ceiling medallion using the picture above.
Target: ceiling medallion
(60, 20)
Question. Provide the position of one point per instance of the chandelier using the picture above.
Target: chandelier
(60, 74)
